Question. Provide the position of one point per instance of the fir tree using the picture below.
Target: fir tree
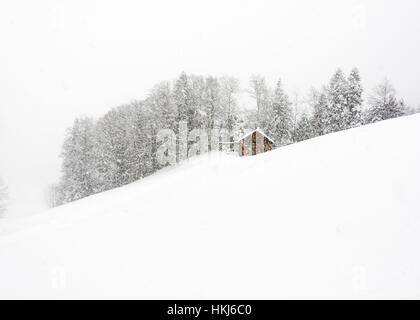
(279, 117)
(161, 104)
(184, 101)
(78, 168)
(354, 99)
(304, 130)
(320, 117)
(337, 102)
(162, 115)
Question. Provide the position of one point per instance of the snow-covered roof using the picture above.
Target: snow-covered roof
(256, 130)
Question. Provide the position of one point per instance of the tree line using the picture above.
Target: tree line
(120, 147)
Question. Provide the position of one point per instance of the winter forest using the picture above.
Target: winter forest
(120, 147)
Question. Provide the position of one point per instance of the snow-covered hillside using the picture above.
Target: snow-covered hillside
(334, 217)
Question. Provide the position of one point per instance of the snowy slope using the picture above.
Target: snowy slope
(334, 217)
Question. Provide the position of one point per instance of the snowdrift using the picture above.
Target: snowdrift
(334, 217)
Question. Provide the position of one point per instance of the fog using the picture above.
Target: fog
(63, 59)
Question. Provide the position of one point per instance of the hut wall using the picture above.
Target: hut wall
(254, 144)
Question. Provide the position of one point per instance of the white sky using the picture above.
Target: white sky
(62, 59)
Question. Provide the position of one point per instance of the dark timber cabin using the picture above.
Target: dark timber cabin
(255, 142)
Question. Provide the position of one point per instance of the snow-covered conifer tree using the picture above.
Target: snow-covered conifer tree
(279, 117)
(320, 118)
(354, 99)
(123, 149)
(184, 100)
(78, 162)
(162, 115)
(160, 102)
(337, 102)
(142, 136)
(304, 130)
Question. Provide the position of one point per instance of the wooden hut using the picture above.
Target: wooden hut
(254, 142)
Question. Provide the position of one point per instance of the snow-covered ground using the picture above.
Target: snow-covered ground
(334, 217)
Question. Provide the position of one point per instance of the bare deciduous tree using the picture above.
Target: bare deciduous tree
(260, 92)
(384, 103)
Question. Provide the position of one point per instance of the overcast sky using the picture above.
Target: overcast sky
(62, 59)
